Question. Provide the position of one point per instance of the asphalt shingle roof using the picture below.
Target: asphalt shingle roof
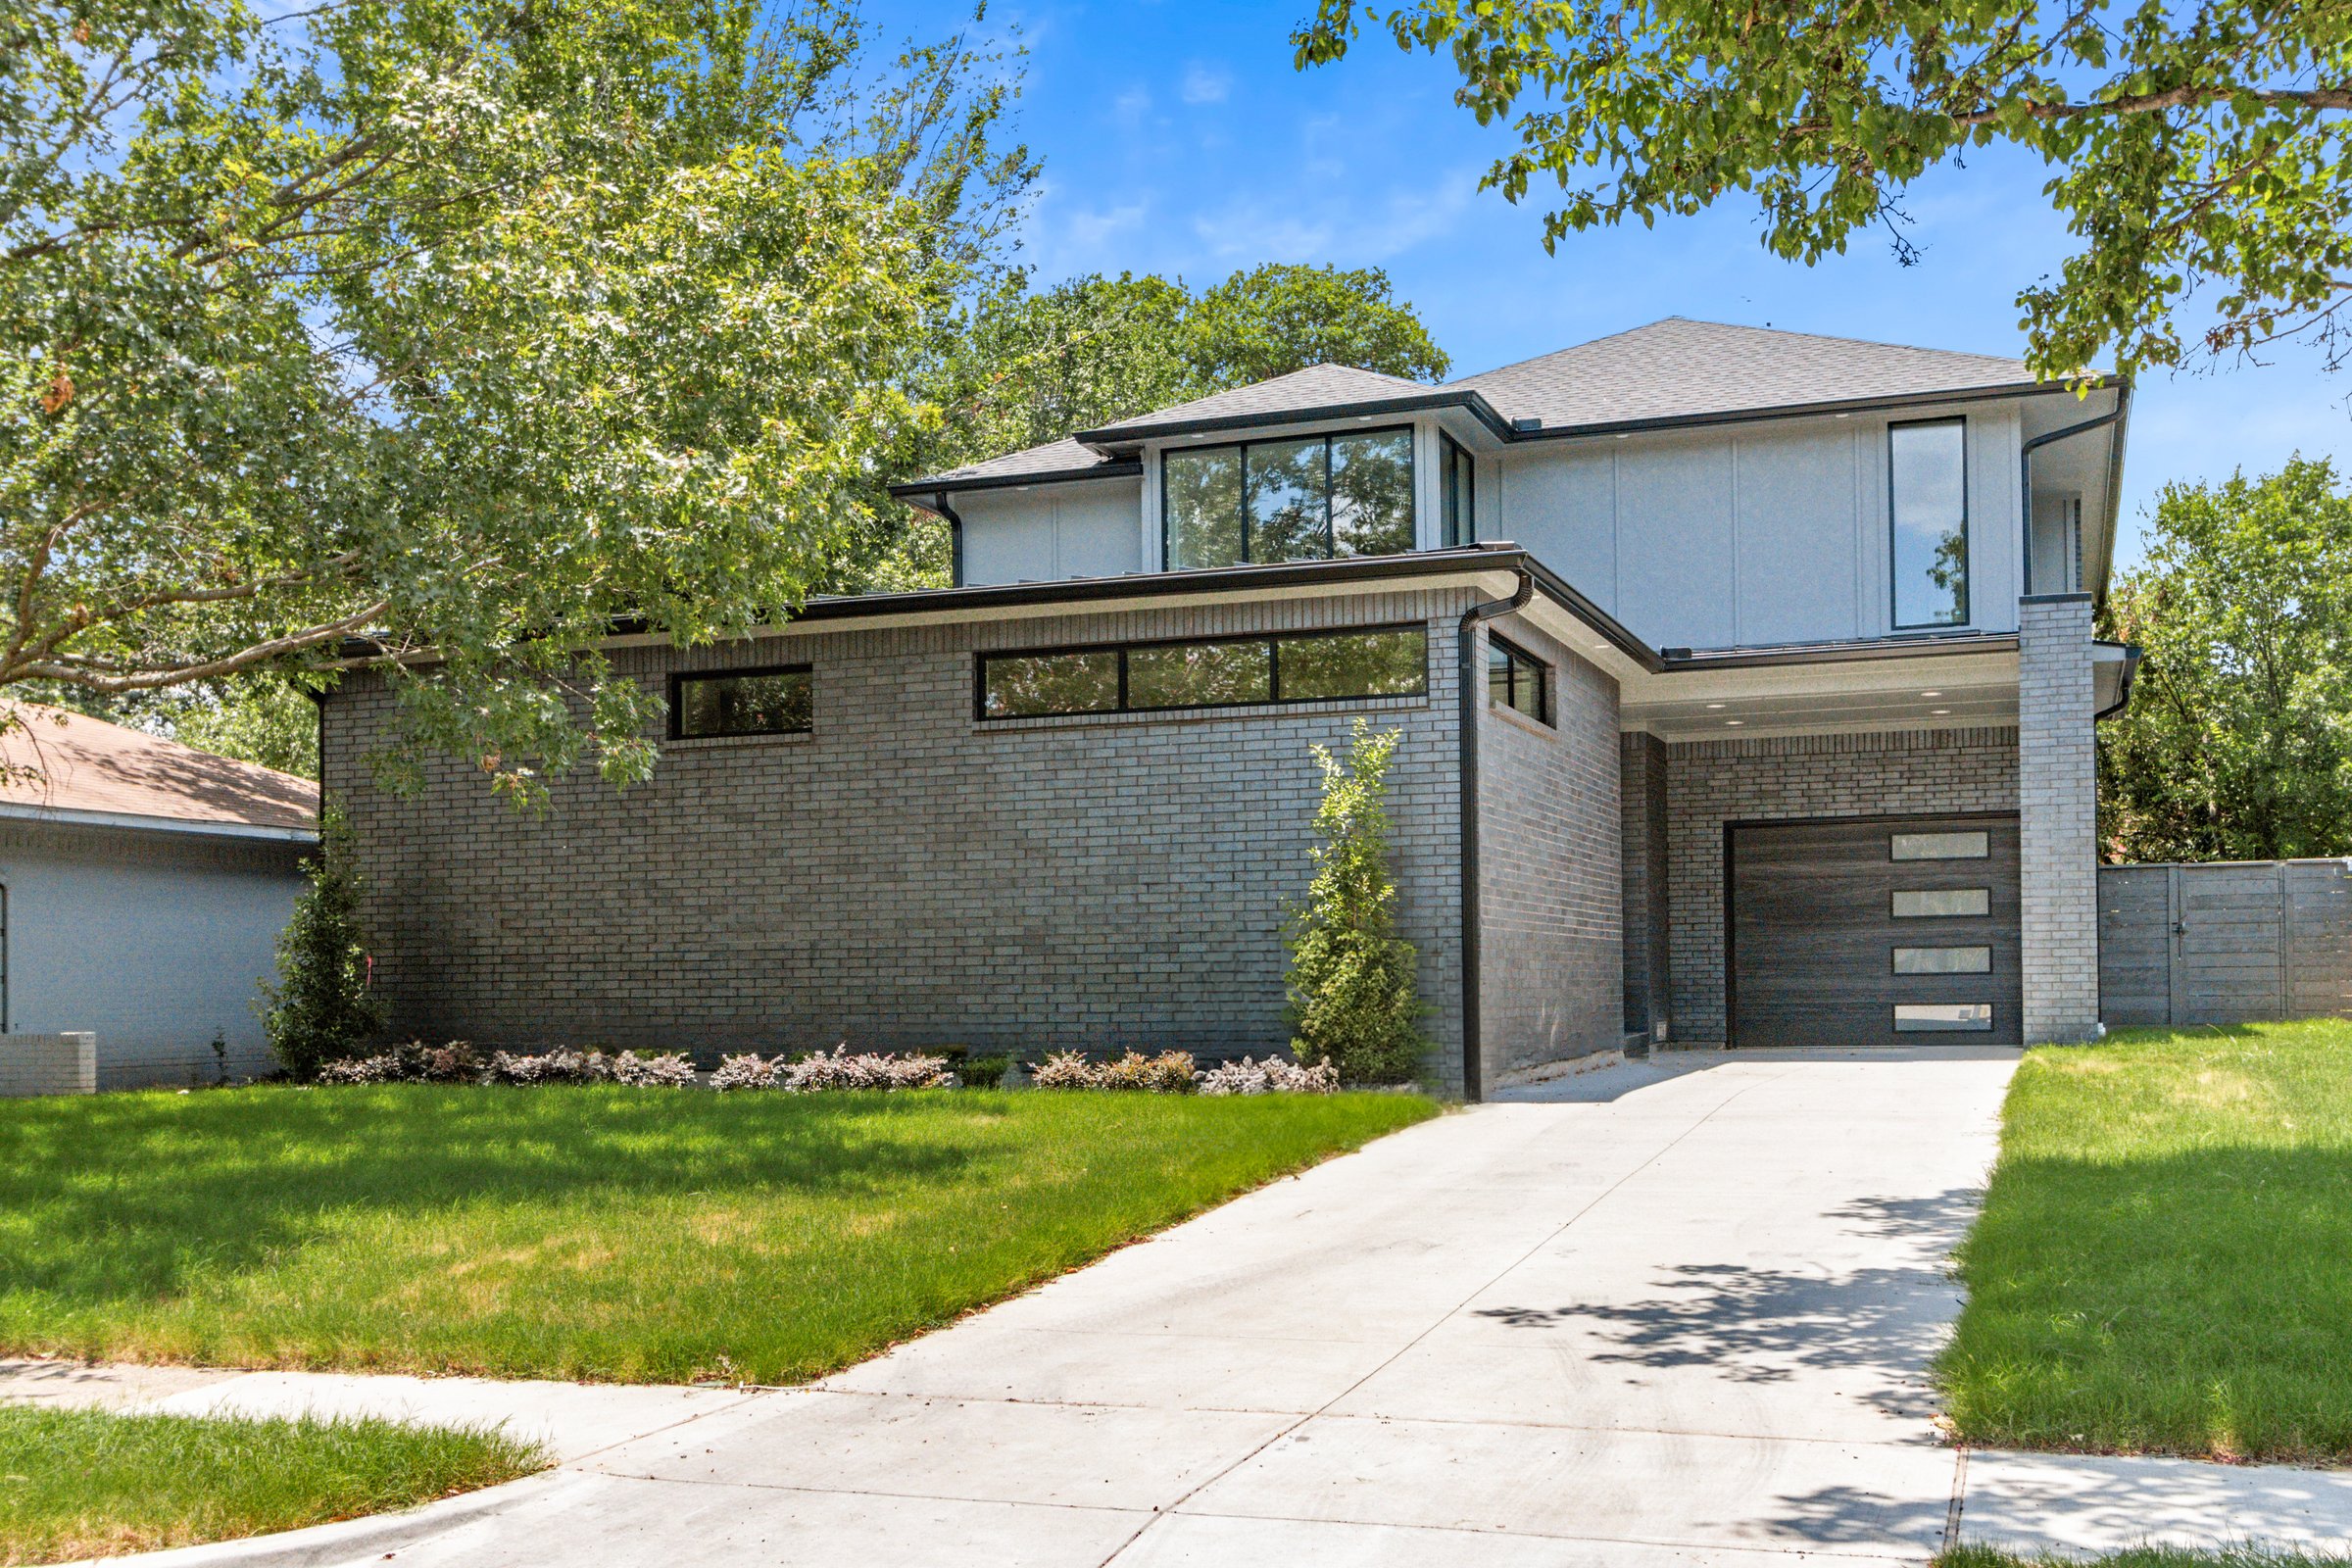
(64, 761)
(1677, 368)
(1672, 369)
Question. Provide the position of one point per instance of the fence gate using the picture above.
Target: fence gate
(2226, 943)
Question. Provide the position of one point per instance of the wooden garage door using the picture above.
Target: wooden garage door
(1874, 933)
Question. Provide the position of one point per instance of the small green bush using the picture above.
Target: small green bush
(1352, 983)
(982, 1072)
(320, 1008)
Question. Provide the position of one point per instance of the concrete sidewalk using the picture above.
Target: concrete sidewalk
(1672, 1312)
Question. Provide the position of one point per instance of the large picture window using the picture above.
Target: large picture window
(1927, 468)
(740, 702)
(1305, 499)
(1224, 672)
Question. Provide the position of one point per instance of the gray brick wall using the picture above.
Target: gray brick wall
(906, 875)
(1713, 782)
(1551, 899)
(48, 1064)
(2058, 833)
(1641, 834)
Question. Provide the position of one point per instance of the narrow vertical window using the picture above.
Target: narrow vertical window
(1927, 468)
(1458, 477)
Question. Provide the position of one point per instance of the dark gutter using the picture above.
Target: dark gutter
(1681, 660)
(938, 504)
(2025, 477)
(2115, 489)
(2123, 692)
(916, 490)
(1468, 399)
(1471, 685)
(1787, 410)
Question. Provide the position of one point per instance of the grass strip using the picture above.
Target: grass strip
(2164, 1254)
(80, 1483)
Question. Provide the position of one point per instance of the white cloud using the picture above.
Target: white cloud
(1323, 223)
(1130, 107)
(1206, 85)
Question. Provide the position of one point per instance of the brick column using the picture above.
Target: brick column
(2058, 806)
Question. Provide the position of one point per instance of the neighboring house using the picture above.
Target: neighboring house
(1771, 723)
(142, 888)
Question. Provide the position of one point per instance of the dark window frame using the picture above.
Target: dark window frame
(1270, 640)
(1893, 834)
(1520, 657)
(678, 706)
(1895, 1019)
(1984, 913)
(1894, 592)
(1459, 527)
(1167, 532)
(1895, 949)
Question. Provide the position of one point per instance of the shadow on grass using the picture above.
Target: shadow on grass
(131, 1194)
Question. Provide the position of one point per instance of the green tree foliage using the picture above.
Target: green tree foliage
(1031, 366)
(321, 1010)
(2237, 744)
(1352, 997)
(464, 326)
(2185, 143)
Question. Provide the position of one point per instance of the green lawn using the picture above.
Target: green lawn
(2164, 1263)
(86, 1483)
(601, 1233)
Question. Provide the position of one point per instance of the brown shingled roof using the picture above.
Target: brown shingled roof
(86, 765)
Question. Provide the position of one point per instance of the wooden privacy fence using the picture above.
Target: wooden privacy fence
(2226, 943)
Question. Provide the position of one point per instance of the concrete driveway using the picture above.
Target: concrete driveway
(1670, 1313)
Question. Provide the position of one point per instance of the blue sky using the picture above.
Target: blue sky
(1177, 138)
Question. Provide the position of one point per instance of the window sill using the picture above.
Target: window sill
(1201, 715)
(706, 743)
(1534, 727)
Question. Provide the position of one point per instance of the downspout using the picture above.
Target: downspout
(2024, 478)
(938, 504)
(1471, 682)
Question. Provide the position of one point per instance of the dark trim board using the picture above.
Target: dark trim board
(2003, 906)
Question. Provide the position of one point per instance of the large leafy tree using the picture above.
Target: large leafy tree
(2188, 144)
(2237, 744)
(469, 326)
(1031, 366)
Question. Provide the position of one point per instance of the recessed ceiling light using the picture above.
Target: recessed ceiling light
(1931, 694)
(1714, 705)
(1735, 723)
(1938, 710)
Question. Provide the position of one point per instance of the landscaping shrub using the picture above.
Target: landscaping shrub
(751, 1070)
(319, 1008)
(1272, 1076)
(982, 1072)
(559, 1066)
(1353, 1000)
(839, 1069)
(1168, 1073)
(415, 1062)
(646, 1070)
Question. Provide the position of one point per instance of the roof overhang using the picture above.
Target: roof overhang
(1122, 444)
(191, 828)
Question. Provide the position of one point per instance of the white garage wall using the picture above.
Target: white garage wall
(154, 941)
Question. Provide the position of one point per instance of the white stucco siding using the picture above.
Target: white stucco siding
(154, 941)
(1051, 531)
(1754, 534)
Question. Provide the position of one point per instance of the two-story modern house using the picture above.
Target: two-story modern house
(1746, 679)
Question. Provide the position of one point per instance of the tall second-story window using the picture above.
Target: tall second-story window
(1301, 499)
(1927, 468)
(1458, 483)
